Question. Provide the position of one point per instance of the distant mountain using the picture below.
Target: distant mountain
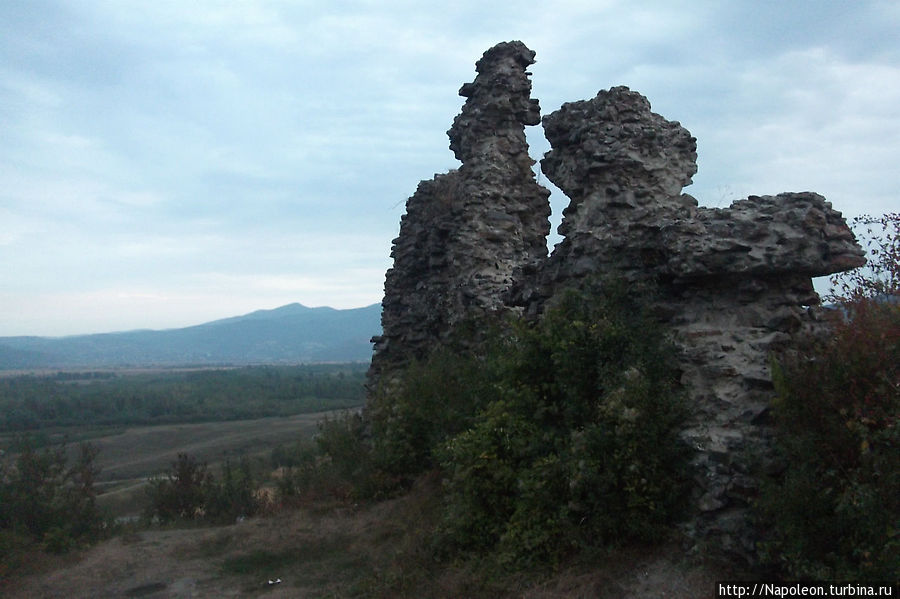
(292, 333)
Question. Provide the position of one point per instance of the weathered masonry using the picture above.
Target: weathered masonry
(734, 282)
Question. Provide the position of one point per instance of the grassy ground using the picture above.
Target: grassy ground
(340, 550)
(128, 458)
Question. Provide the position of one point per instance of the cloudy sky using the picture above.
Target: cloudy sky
(167, 163)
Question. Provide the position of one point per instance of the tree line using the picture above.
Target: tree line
(34, 402)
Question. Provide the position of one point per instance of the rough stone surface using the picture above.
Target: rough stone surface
(734, 283)
(622, 168)
(466, 232)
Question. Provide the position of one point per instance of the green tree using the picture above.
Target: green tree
(833, 511)
(189, 491)
(48, 499)
(181, 493)
(579, 445)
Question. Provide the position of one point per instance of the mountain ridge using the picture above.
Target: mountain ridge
(287, 334)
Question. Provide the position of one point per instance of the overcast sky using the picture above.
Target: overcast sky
(168, 163)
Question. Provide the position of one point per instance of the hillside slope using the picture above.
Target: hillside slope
(336, 553)
(290, 334)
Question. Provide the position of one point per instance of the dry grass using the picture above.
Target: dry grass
(142, 451)
(340, 550)
(323, 548)
(128, 458)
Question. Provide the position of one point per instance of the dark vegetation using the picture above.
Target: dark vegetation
(46, 502)
(189, 491)
(559, 441)
(34, 402)
(559, 438)
(833, 511)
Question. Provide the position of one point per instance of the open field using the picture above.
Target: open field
(128, 457)
(143, 451)
(140, 419)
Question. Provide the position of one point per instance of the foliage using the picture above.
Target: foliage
(880, 238)
(339, 464)
(298, 470)
(234, 495)
(47, 499)
(180, 493)
(438, 398)
(579, 444)
(834, 510)
(190, 492)
(551, 437)
(37, 402)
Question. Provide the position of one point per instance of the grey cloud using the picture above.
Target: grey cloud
(283, 137)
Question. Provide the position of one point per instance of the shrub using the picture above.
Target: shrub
(296, 468)
(44, 497)
(234, 495)
(339, 464)
(833, 512)
(578, 445)
(190, 492)
(179, 495)
(437, 398)
(552, 436)
(482, 466)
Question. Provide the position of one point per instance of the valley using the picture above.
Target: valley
(127, 459)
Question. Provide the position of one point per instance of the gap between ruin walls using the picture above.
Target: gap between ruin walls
(735, 283)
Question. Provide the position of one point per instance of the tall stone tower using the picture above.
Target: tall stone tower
(465, 233)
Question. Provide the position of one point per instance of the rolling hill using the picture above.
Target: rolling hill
(289, 334)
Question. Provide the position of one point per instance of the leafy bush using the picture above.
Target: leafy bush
(190, 492)
(551, 436)
(180, 494)
(437, 398)
(44, 497)
(578, 445)
(338, 464)
(234, 495)
(296, 468)
(834, 511)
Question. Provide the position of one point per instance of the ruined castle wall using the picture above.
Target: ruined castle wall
(734, 283)
(465, 233)
(623, 169)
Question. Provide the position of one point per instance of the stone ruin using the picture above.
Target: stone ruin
(466, 232)
(735, 283)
